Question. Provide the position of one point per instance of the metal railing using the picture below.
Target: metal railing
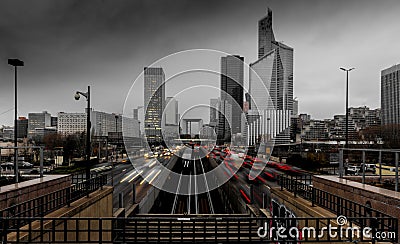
(193, 229)
(299, 185)
(45, 204)
(78, 177)
(329, 201)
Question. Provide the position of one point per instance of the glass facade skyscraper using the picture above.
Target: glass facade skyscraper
(390, 95)
(154, 102)
(273, 71)
(231, 96)
(171, 111)
(265, 34)
(281, 81)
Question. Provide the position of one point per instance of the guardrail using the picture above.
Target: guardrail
(329, 201)
(45, 204)
(158, 229)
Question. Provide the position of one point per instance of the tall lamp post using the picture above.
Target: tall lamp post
(149, 135)
(140, 133)
(347, 104)
(116, 135)
(100, 136)
(15, 63)
(88, 125)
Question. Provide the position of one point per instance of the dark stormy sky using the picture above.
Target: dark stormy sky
(67, 45)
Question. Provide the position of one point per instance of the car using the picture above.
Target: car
(149, 155)
(370, 168)
(7, 166)
(24, 165)
(270, 174)
(353, 170)
(248, 162)
(125, 161)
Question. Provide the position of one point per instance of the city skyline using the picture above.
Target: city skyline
(70, 45)
(211, 121)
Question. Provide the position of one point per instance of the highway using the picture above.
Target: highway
(261, 184)
(184, 199)
(190, 162)
(191, 203)
(122, 177)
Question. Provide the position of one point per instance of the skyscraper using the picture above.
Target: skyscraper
(154, 102)
(214, 107)
(136, 113)
(281, 82)
(275, 69)
(38, 121)
(171, 111)
(231, 95)
(295, 107)
(265, 34)
(390, 95)
(22, 126)
(171, 120)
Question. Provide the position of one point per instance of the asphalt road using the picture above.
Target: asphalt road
(121, 176)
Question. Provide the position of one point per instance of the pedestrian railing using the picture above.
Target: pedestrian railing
(50, 202)
(329, 201)
(157, 229)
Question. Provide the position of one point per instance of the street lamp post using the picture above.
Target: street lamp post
(116, 135)
(140, 133)
(88, 125)
(347, 104)
(156, 141)
(100, 136)
(15, 63)
(149, 134)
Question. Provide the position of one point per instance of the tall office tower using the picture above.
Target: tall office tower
(390, 95)
(281, 83)
(154, 102)
(171, 120)
(275, 69)
(231, 93)
(38, 121)
(214, 107)
(265, 34)
(136, 113)
(295, 107)
(225, 117)
(171, 111)
(248, 100)
(22, 126)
